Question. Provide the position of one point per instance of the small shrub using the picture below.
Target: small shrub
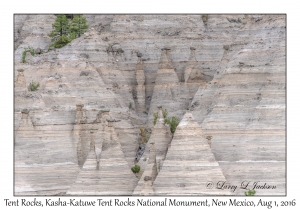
(182, 78)
(173, 123)
(27, 49)
(155, 115)
(136, 169)
(24, 57)
(34, 86)
(142, 129)
(250, 193)
(31, 50)
(165, 113)
(130, 105)
(159, 165)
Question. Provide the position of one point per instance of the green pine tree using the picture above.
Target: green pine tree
(61, 41)
(60, 27)
(70, 16)
(78, 26)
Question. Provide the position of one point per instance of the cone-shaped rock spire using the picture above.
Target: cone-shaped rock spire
(100, 134)
(188, 172)
(192, 73)
(166, 90)
(150, 171)
(147, 188)
(113, 175)
(81, 135)
(161, 137)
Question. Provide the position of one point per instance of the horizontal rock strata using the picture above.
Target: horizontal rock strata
(108, 175)
(228, 70)
(189, 172)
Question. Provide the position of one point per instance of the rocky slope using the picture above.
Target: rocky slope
(83, 123)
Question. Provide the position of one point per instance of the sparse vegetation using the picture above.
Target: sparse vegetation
(165, 113)
(142, 129)
(159, 165)
(24, 57)
(27, 49)
(173, 123)
(136, 169)
(130, 105)
(250, 193)
(34, 86)
(155, 115)
(182, 78)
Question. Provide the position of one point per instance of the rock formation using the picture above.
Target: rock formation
(228, 70)
(81, 135)
(100, 134)
(147, 188)
(20, 83)
(150, 171)
(192, 74)
(238, 108)
(140, 88)
(189, 172)
(26, 123)
(167, 90)
(43, 153)
(112, 176)
(161, 138)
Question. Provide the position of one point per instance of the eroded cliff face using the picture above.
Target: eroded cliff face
(83, 123)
